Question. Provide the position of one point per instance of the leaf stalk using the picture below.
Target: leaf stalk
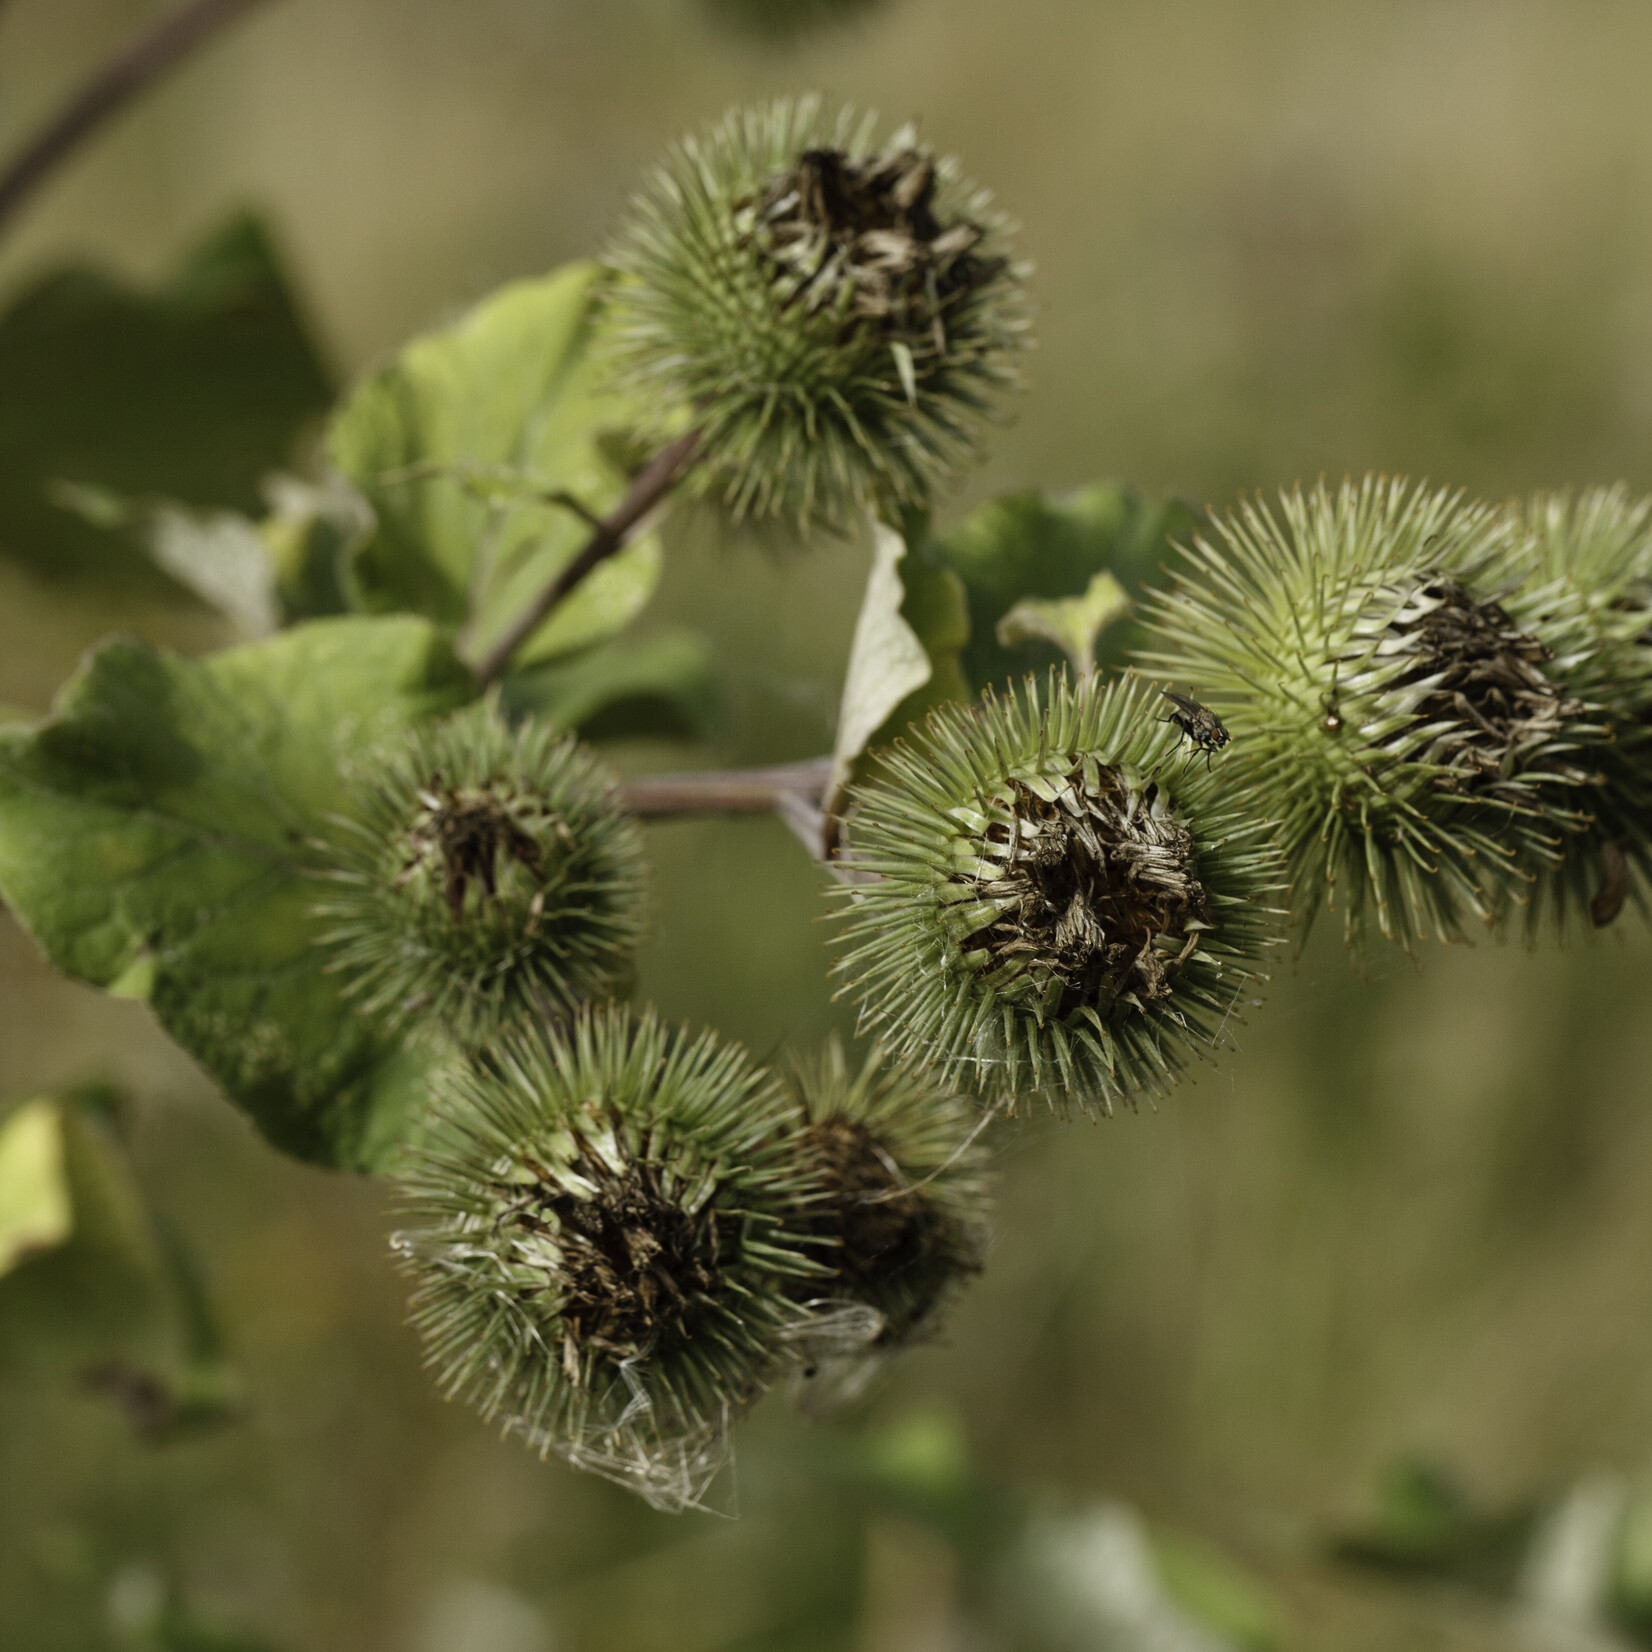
(648, 487)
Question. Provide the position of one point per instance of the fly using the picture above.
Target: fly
(1200, 726)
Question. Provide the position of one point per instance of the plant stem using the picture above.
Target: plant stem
(794, 791)
(727, 791)
(110, 87)
(648, 487)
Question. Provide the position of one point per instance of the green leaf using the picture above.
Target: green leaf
(192, 392)
(1215, 1592)
(1072, 623)
(311, 533)
(473, 448)
(34, 1195)
(155, 834)
(923, 1455)
(1043, 546)
(904, 657)
(150, 1612)
(1421, 1523)
(220, 556)
(656, 687)
(1631, 1588)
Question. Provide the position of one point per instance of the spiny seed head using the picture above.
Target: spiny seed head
(1398, 697)
(834, 317)
(1062, 908)
(604, 1240)
(483, 875)
(1594, 551)
(901, 1207)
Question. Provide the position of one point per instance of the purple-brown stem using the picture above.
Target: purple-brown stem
(794, 791)
(648, 487)
(726, 791)
(109, 89)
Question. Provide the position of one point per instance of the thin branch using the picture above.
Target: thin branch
(726, 791)
(648, 487)
(111, 87)
(793, 791)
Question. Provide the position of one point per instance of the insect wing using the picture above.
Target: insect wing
(1199, 723)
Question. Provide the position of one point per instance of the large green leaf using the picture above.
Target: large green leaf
(473, 447)
(154, 834)
(658, 687)
(1042, 546)
(192, 392)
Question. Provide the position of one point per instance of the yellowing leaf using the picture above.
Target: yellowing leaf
(34, 1196)
(887, 659)
(903, 660)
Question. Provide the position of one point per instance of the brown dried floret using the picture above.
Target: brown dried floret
(634, 1259)
(484, 876)
(879, 1225)
(468, 829)
(602, 1220)
(1096, 876)
(1062, 909)
(836, 316)
(1487, 693)
(867, 229)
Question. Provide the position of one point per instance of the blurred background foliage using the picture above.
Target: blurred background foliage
(1409, 1224)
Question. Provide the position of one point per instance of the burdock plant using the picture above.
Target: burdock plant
(1594, 551)
(1398, 693)
(606, 1238)
(833, 316)
(402, 956)
(1065, 903)
(899, 1209)
(482, 875)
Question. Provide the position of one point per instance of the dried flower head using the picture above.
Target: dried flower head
(900, 1212)
(1594, 551)
(483, 875)
(833, 317)
(1397, 700)
(1063, 907)
(605, 1246)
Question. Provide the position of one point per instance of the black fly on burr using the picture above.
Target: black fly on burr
(1199, 724)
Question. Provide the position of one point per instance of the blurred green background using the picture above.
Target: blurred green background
(1272, 240)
